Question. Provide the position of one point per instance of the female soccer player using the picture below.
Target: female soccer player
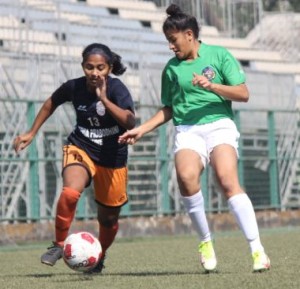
(198, 86)
(104, 110)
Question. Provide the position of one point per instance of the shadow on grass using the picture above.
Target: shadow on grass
(147, 274)
(86, 277)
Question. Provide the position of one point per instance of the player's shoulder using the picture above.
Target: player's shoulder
(212, 48)
(75, 83)
(170, 65)
(172, 61)
(114, 80)
(115, 83)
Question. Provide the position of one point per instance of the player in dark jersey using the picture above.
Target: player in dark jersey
(104, 111)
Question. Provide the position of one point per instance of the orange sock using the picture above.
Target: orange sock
(107, 236)
(65, 212)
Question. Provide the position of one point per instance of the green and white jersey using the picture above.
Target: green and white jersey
(193, 104)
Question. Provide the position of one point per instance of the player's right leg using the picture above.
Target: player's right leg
(261, 261)
(65, 212)
(188, 167)
(53, 253)
(77, 171)
(207, 256)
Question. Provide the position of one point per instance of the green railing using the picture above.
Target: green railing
(260, 164)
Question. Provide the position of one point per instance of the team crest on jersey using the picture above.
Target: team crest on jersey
(100, 108)
(209, 73)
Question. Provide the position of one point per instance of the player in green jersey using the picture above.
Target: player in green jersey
(198, 87)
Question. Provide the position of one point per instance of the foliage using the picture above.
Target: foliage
(274, 5)
(295, 5)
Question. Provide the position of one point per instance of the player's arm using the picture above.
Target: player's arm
(231, 92)
(124, 117)
(161, 117)
(234, 93)
(23, 140)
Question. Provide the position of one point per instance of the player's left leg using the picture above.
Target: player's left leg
(110, 194)
(224, 161)
(108, 228)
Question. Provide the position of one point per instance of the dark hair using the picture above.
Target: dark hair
(180, 21)
(112, 58)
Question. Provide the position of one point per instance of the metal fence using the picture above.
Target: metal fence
(232, 18)
(268, 168)
(30, 183)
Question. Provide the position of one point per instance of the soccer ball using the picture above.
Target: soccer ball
(82, 251)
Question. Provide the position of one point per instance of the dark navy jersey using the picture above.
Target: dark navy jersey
(96, 131)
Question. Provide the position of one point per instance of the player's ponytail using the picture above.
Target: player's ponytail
(117, 66)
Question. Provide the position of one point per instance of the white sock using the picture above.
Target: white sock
(241, 207)
(194, 206)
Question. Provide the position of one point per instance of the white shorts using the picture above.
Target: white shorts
(203, 138)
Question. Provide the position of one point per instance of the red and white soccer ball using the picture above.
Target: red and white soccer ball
(82, 251)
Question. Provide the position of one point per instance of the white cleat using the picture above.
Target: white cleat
(261, 262)
(207, 256)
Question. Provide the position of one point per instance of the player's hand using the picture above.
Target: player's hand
(22, 141)
(131, 136)
(101, 88)
(201, 81)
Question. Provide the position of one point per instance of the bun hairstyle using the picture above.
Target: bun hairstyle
(113, 59)
(177, 20)
(173, 9)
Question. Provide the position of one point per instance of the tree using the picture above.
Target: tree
(273, 5)
(295, 4)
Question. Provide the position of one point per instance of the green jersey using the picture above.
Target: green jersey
(193, 104)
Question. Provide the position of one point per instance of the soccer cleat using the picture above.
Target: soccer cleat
(53, 254)
(98, 268)
(261, 262)
(207, 256)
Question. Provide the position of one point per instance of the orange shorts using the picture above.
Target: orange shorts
(110, 184)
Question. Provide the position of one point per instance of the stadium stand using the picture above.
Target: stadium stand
(79, 23)
(278, 32)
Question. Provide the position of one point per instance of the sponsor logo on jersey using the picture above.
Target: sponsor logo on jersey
(82, 108)
(96, 134)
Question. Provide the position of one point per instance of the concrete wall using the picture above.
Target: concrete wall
(145, 226)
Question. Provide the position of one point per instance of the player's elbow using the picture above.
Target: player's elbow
(244, 93)
(245, 97)
(130, 124)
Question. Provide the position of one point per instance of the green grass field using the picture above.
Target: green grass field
(162, 262)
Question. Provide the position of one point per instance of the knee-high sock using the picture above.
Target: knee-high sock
(65, 212)
(242, 208)
(194, 206)
(107, 236)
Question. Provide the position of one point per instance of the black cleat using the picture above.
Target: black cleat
(98, 268)
(53, 254)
